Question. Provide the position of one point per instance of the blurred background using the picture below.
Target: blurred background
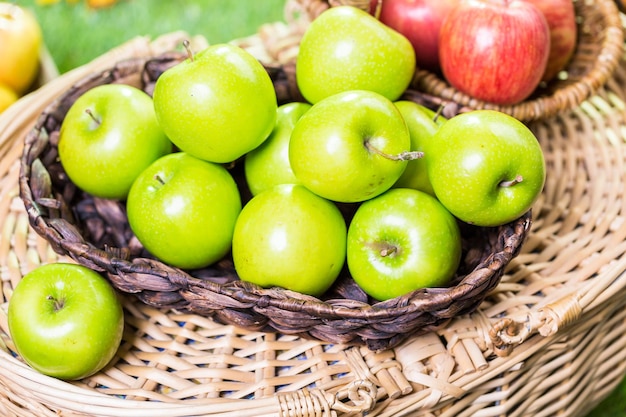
(77, 31)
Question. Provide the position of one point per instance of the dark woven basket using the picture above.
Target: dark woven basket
(598, 52)
(95, 233)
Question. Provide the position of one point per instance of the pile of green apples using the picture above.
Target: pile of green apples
(406, 176)
(352, 177)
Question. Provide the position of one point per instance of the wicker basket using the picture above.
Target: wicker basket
(548, 339)
(599, 49)
(95, 233)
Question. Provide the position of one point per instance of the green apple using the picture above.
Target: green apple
(109, 135)
(422, 126)
(217, 105)
(268, 165)
(350, 147)
(65, 320)
(486, 167)
(346, 48)
(401, 241)
(289, 237)
(183, 210)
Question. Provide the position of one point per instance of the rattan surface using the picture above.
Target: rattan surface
(548, 340)
(599, 49)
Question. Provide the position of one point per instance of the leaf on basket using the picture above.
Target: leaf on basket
(67, 231)
(345, 287)
(41, 183)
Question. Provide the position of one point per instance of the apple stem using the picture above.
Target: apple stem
(402, 156)
(439, 112)
(383, 248)
(58, 304)
(388, 251)
(510, 183)
(187, 46)
(159, 179)
(93, 116)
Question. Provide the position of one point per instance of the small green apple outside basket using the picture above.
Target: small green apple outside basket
(95, 232)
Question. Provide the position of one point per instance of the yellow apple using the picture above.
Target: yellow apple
(7, 97)
(20, 42)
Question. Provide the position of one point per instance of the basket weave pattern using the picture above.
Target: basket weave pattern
(599, 50)
(547, 340)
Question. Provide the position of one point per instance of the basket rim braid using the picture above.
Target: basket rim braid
(598, 53)
(95, 233)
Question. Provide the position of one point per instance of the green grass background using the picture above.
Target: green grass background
(75, 34)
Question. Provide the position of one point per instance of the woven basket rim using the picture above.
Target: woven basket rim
(468, 292)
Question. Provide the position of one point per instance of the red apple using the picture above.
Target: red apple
(495, 50)
(418, 20)
(561, 18)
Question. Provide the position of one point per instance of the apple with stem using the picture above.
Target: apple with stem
(561, 18)
(401, 241)
(495, 50)
(350, 147)
(108, 137)
(183, 210)
(268, 165)
(486, 167)
(346, 48)
(420, 21)
(66, 320)
(216, 105)
(289, 237)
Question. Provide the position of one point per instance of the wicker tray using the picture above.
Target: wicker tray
(548, 339)
(599, 49)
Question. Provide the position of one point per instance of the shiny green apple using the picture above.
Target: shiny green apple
(108, 137)
(66, 320)
(289, 237)
(183, 210)
(346, 48)
(268, 165)
(350, 147)
(401, 241)
(486, 167)
(217, 105)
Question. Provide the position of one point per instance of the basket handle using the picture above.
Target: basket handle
(547, 320)
(554, 315)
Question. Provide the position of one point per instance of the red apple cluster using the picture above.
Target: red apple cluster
(497, 51)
